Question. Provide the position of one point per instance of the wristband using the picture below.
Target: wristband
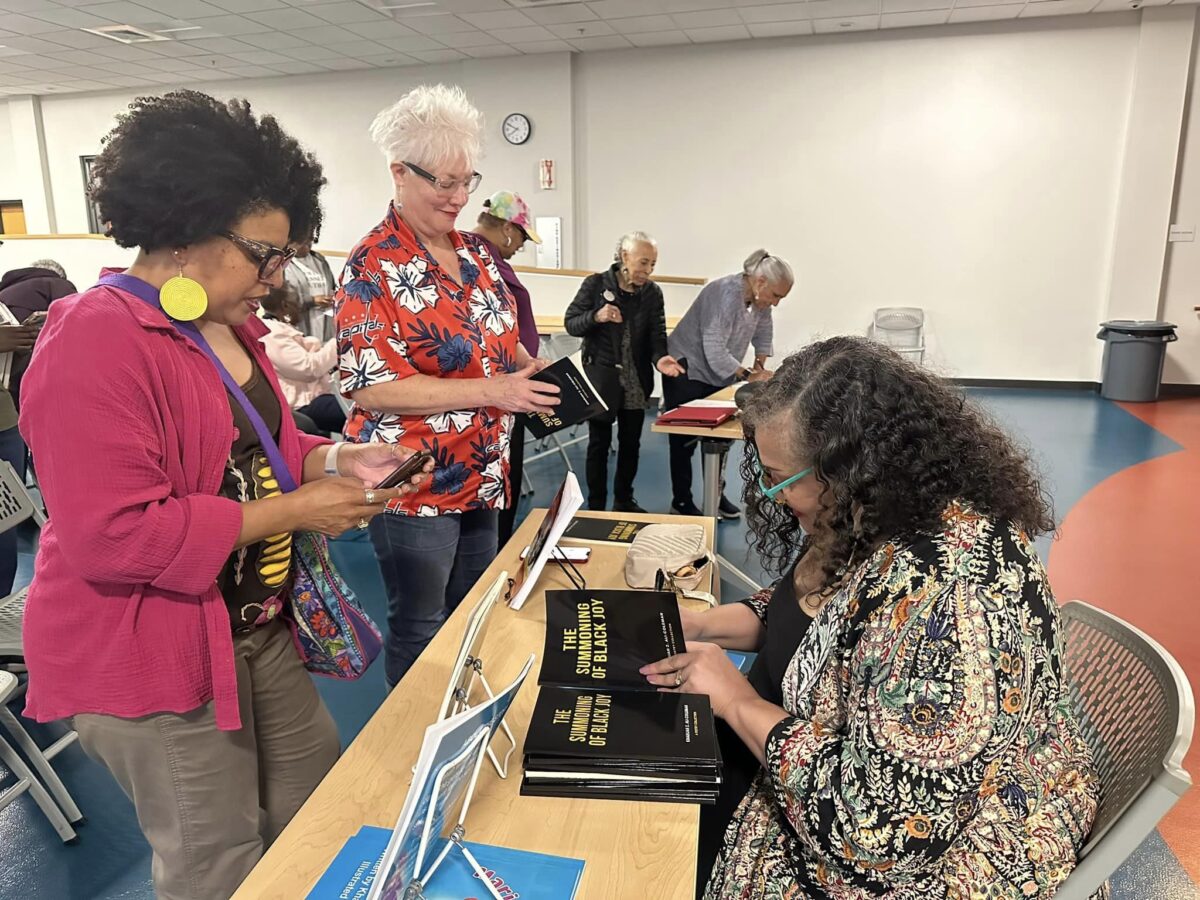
(331, 458)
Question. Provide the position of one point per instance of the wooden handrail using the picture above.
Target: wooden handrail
(342, 254)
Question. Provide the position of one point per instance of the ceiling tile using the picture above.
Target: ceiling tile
(83, 85)
(296, 67)
(846, 23)
(986, 13)
(489, 21)
(467, 39)
(720, 33)
(170, 65)
(343, 64)
(712, 18)
(900, 6)
(558, 15)
(842, 9)
(245, 6)
(326, 34)
(616, 9)
(24, 6)
(120, 11)
(461, 6)
(915, 19)
(311, 53)
(26, 25)
(128, 68)
(25, 43)
(358, 49)
(124, 80)
(82, 58)
(185, 9)
(606, 42)
(674, 6)
(495, 50)
(583, 29)
(439, 56)
(409, 44)
(544, 47)
(232, 26)
(780, 29)
(259, 57)
(273, 40)
(643, 24)
(446, 24)
(79, 39)
(33, 61)
(658, 38)
(1123, 5)
(345, 13)
(255, 71)
(377, 30)
(221, 45)
(389, 60)
(287, 19)
(193, 48)
(526, 34)
(72, 18)
(1056, 8)
(774, 12)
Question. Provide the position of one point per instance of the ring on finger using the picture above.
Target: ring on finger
(679, 678)
(362, 524)
(370, 495)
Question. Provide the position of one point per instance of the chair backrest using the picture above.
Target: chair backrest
(336, 385)
(1136, 711)
(15, 503)
(556, 346)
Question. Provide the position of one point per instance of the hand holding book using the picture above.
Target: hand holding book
(703, 669)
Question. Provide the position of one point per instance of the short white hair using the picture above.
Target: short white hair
(773, 268)
(631, 240)
(430, 126)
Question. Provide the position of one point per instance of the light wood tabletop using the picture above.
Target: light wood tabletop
(729, 430)
(631, 849)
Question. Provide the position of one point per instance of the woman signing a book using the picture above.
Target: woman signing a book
(154, 617)
(430, 355)
(906, 729)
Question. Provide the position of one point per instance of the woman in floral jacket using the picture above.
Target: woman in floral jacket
(427, 334)
(906, 729)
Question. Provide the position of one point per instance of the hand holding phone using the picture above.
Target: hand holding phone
(406, 470)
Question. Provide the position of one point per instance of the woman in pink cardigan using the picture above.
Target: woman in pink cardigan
(153, 617)
(302, 362)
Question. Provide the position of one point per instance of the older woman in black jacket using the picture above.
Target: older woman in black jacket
(619, 315)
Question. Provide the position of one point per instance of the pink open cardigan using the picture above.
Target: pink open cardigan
(130, 429)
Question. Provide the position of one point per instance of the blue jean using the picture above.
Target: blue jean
(12, 451)
(428, 565)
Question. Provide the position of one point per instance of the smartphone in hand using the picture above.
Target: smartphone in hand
(405, 470)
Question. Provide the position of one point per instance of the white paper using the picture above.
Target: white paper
(562, 509)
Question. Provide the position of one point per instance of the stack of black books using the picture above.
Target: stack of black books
(599, 729)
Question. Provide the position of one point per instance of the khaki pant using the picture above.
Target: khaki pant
(208, 801)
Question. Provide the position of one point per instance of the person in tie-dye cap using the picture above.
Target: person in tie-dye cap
(504, 226)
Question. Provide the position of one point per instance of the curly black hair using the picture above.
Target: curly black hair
(892, 444)
(182, 167)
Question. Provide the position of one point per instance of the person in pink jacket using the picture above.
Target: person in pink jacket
(154, 613)
(302, 362)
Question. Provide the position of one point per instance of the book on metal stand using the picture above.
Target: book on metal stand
(468, 666)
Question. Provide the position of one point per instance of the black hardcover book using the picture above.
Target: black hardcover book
(637, 793)
(603, 531)
(597, 639)
(578, 400)
(622, 726)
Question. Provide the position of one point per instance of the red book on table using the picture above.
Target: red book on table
(697, 416)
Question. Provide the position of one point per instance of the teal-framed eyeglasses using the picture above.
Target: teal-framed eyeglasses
(772, 492)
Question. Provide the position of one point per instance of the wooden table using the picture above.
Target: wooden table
(714, 445)
(632, 849)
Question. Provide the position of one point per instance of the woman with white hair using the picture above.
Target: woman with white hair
(429, 351)
(619, 315)
(710, 342)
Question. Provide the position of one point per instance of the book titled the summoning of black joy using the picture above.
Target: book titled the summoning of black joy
(578, 399)
(599, 729)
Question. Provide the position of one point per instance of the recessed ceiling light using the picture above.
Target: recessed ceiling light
(126, 34)
(173, 30)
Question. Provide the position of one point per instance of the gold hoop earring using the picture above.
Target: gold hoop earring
(183, 299)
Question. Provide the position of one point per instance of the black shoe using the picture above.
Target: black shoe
(630, 506)
(727, 510)
(685, 508)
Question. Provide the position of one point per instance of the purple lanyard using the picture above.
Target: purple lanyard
(149, 294)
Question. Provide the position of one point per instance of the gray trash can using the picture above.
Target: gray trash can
(1134, 352)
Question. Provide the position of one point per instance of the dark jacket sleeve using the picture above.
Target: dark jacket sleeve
(580, 317)
(658, 327)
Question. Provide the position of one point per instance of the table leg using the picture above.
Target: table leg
(712, 453)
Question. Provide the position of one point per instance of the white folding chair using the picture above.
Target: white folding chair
(1137, 714)
(26, 780)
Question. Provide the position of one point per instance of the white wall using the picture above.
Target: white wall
(970, 173)
(10, 186)
(973, 171)
(1181, 291)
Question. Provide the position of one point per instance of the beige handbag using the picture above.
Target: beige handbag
(671, 557)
